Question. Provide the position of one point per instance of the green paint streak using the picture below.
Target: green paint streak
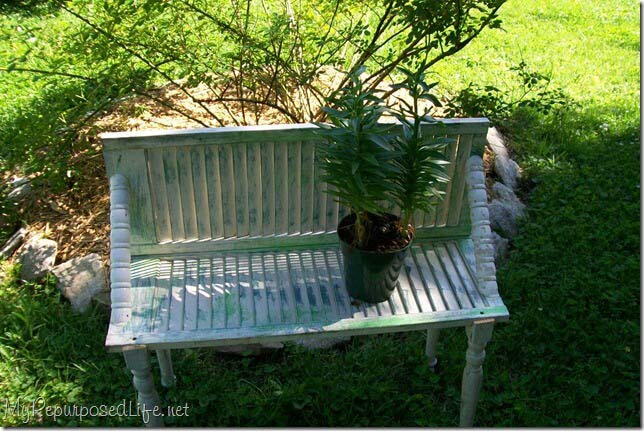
(219, 307)
(317, 316)
(231, 307)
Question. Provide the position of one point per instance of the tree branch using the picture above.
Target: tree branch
(256, 102)
(137, 55)
(45, 72)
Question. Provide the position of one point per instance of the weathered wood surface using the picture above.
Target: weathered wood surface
(131, 164)
(245, 134)
(168, 378)
(320, 239)
(431, 343)
(478, 335)
(120, 277)
(138, 362)
(242, 294)
(210, 185)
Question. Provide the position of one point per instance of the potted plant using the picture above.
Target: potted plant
(367, 164)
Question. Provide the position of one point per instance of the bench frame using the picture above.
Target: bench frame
(478, 328)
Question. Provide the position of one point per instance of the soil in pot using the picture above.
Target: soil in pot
(384, 232)
(371, 272)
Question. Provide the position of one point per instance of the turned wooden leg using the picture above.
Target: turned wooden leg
(165, 364)
(478, 336)
(138, 362)
(430, 348)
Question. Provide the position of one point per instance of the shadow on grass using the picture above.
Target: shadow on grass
(50, 353)
(570, 355)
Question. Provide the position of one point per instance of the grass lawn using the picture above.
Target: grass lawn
(570, 356)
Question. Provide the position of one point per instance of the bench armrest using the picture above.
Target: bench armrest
(481, 232)
(120, 281)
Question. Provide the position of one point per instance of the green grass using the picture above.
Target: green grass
(31, 28)
(592, 50)
(570, 356)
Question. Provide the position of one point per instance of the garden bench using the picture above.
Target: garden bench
(225, 236)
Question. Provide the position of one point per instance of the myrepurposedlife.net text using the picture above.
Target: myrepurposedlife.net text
(38, 408)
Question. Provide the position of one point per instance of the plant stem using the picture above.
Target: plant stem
(361, 231)
(406, 220)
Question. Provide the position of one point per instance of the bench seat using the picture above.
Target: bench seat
(231, 297)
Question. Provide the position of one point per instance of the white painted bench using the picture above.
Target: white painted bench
(225, 236)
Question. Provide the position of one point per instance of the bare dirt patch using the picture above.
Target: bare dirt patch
(78, 218)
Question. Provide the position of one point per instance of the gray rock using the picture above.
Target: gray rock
(13, 243)
(103, 297)
(37, 257)
(496, 142)
(508, 170)
(20, 191)
(321, 343)
(81, 279)
(505, 210)
(500, 248)
(504, 216)
(504, 166)
(18, 181)
(503, 192)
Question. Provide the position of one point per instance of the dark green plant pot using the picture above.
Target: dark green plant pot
(371, 276)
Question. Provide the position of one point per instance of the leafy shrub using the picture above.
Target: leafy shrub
(531, 90)
(41, 136)
(274, 55)
(27, 6)
(278, 55)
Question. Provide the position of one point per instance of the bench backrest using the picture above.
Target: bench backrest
(253, 186)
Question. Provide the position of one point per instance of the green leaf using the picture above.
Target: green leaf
(432, 99)
(371, 159)
(354, 167)
(335, 113)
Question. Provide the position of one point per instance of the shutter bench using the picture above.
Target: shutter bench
(225, 236)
